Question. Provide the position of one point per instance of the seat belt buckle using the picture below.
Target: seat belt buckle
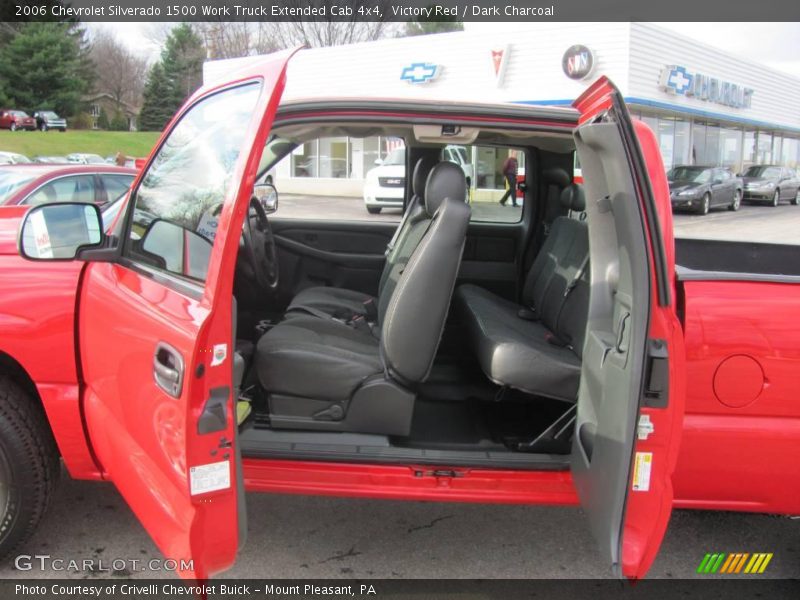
(359, 322)
(553, 339)
(370, 310)
(527, 314)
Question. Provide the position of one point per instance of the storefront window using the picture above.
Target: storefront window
(749, 150)
(730, 148)
(764, 146)
(680, 149)
(698, 143)
(776, 147)
(304, 159)
(790, 152)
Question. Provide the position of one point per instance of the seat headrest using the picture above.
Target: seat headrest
(446, 180)
(420, 176)
(557, 177)
(573, 198)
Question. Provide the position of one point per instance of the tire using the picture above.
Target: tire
(737, 201)
(29, 465)
(63, 130)
(373, 210)
(776, 198)
(796, 199)
(706, 204)
(13, 127)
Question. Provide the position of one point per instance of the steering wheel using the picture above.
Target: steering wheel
(259, 247)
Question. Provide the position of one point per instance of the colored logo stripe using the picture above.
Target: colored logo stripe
(735, 563)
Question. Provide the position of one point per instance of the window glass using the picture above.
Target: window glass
(179, 198)
(764, 148)
(116, 185)
(730, 148)
(11, 181)
(79, 188)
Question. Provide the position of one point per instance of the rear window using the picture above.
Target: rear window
(10, 182)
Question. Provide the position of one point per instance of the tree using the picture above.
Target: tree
(428, 27)
(119, 72)
(119, 122)
(44, 65)
(158, 100)
(182, 60)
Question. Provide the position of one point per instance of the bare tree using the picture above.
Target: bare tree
(119, 72)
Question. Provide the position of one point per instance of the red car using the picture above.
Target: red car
(16, 119)
(201, 345)
(33, 184)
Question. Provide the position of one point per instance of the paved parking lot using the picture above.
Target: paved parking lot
(316, 537)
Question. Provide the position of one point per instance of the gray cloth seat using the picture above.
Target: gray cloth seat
(536, 347)
(344, 303)
(325, 373)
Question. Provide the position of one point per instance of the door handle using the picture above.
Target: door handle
(168, 368)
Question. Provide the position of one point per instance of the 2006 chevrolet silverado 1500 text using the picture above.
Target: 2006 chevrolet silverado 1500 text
(201, 345)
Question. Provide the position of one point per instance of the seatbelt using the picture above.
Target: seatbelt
(575, 279)
(551, 337)
(355, 321)
(390, 246)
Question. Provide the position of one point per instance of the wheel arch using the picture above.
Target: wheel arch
(12, 368)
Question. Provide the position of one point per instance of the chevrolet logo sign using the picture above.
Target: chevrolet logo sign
(420, 72)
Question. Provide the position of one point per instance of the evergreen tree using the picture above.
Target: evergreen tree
(159, 100)
(423, 27)
(182, 60)
(45, 65)
(102, 120)
(173, 79)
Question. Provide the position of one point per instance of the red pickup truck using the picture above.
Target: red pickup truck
(200, 346)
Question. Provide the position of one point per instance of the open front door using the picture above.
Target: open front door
(156, 330)
(630, 403)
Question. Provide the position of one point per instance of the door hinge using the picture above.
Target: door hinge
(656, 382)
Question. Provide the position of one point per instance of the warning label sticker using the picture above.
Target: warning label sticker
(210, 477)
(641, 471)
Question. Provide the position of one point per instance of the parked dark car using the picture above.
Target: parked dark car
(35, 184)
(16, 119)
(699, 189)
(47, 119)
(771, 183)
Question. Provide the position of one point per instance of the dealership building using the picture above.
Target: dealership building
(706, 106)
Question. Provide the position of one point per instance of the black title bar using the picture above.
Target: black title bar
(400, 10)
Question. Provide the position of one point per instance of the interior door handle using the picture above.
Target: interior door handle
(168, 368)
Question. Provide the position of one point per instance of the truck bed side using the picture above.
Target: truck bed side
(739, 307)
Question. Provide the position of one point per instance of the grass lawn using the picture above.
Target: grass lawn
(104, 143)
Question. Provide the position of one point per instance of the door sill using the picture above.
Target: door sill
(263, 443)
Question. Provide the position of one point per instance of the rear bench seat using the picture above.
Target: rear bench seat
(537, 347)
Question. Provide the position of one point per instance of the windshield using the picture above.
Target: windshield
(19, 113)
(10, 182)
(765, 172)
(50, 114)
(396, 157)
(695, 174)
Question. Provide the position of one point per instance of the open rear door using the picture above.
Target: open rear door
(630, 404)
(156, 330)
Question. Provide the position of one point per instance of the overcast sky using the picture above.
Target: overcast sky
(776, 45)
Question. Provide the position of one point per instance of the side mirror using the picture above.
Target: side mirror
(60, 231)
(267, 195)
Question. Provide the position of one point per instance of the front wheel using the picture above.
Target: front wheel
(796, 199)
(705, 204)
(29, 465)
(776, 198)
(373, 210)
(737, 201)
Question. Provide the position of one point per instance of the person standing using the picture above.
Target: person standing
(510, 173)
